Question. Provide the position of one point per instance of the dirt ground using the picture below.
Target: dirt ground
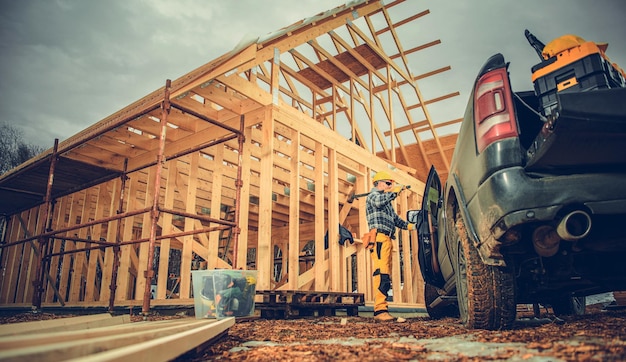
(598, 335)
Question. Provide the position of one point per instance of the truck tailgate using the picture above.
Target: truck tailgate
(589, 133)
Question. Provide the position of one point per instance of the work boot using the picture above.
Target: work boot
(386, 317)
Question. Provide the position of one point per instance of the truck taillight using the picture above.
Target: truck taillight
(493, 109)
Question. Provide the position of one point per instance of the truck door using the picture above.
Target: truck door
(426, 223)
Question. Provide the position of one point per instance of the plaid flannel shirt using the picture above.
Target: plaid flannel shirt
(381, 214)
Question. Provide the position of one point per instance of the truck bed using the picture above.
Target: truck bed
(588, 134)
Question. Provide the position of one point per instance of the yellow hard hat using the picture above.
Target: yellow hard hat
(382, 175)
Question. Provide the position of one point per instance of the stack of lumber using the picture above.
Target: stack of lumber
(103, 337)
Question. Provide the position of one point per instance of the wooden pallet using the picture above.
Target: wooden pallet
(287, 304)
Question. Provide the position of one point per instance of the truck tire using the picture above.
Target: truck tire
(486, 294)
(569, 306)
(442, 310)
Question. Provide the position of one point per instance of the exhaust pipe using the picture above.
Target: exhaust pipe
(575, 225)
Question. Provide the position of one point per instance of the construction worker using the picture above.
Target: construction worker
(382, 217)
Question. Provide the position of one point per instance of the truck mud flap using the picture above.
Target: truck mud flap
(588, 134)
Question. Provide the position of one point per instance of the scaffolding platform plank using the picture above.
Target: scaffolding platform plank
(286, 304)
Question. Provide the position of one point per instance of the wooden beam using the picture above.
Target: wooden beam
(337, 275)
(294, 212)
(188, 241)
(264, 250)
(162, 342)
(61, 324)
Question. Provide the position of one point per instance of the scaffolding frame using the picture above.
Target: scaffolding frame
(44, 254)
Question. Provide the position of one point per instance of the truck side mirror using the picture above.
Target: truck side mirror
(413, 216)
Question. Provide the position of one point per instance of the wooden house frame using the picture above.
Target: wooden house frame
(248, 162)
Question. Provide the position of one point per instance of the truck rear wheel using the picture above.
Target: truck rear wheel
(569, 306)
(486, 294)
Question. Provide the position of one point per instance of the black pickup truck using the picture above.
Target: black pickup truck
(534, 208)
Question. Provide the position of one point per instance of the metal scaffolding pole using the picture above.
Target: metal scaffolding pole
(154, 213)
(238, 184)
(43, 240)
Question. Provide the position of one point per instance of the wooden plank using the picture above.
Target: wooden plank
(190, 207)
(294, 212)
(170, 337)
(92, 292)
(9, 280)
(142, 263)
(111, 236)
(34, 256)
(337, 275)
(124, 282)
(318, 271)
(167, 228)
(52, 324)
(165, 348)
(121, 324)
(264, 248)
(24, 280)
(53, 271)
(50, 281)
(216, 206)
(68, 245)
(363, 255)
(79, 265)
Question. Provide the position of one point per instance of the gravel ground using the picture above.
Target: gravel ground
(598, 335)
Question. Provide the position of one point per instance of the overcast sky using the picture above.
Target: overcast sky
(67, 64)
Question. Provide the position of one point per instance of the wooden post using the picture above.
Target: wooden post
(336, 271)
(320, 281)
(118, 233)
(265, 254)
(293, 245)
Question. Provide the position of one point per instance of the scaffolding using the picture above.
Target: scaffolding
(44, 254)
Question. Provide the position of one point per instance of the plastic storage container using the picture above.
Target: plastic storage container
(222, 293)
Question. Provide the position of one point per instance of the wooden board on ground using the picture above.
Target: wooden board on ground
(62, 324)
(154, 341)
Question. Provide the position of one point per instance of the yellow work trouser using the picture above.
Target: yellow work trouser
(381, 264)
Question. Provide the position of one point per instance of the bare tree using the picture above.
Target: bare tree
(13, 150)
